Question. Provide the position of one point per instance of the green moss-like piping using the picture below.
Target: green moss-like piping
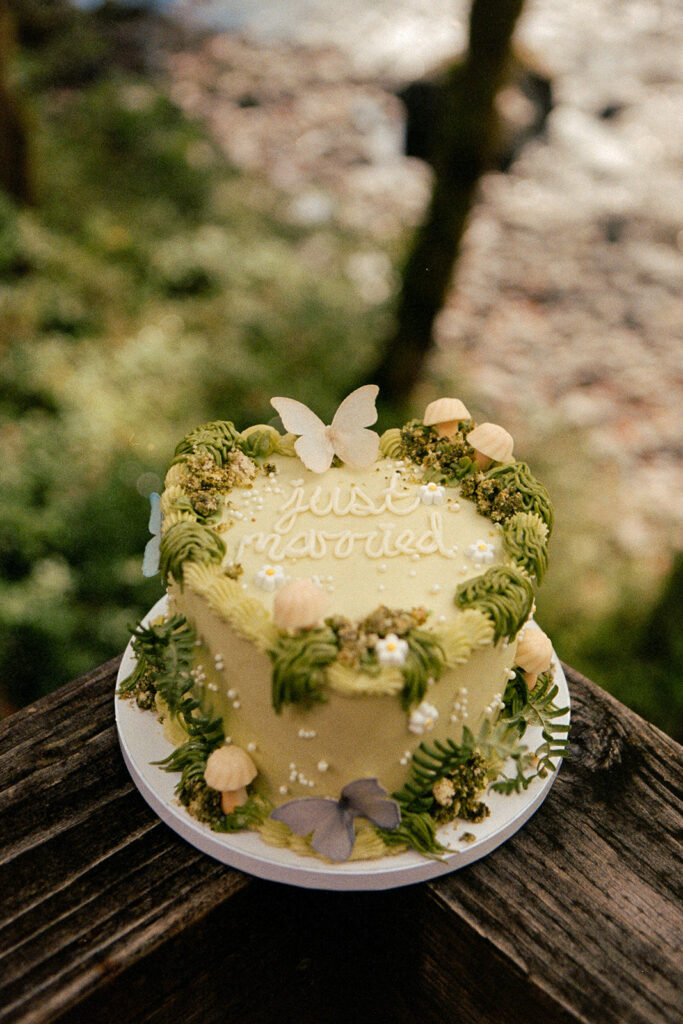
(220, 438)
(504, 593)
(535, 498)
(525, 538)
(216, 439)
(185, 541)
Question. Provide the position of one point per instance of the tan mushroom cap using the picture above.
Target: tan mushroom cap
(534, 653)
(300, 604)
(445, 414)
(492, 442)
(229, 768)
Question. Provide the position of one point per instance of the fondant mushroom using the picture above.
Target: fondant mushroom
(491, 443)
(445, 414)
(300, 604)
(230, 770)
(534, 654)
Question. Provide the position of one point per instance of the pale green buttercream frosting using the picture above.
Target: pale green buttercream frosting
(390, 444)
(226, 597)
(470, 629)
(351, 682)
(525, 538)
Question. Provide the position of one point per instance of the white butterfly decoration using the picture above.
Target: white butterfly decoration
(346, 437)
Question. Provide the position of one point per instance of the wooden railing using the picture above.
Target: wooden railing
(108, 916)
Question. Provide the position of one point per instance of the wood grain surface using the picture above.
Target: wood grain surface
(107, 915)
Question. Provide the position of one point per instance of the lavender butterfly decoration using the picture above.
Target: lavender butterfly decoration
(331, 821)
(150, 561)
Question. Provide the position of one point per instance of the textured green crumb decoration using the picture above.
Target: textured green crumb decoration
(517, 477)
(185, 541)
(445, 460)
(492, 497)
(504, 594)
(525, 538)
(206, 483)
(356, 640)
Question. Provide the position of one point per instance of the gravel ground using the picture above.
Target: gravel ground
(565, 316)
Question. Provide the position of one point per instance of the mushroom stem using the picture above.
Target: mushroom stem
(530, 678)
(483, 461)
(232, 798)
(447, 428)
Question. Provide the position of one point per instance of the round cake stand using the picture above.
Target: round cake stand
(143, 742)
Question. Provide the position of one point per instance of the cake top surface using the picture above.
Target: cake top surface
(364, 535)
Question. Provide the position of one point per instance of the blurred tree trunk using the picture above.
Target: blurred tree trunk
(460, 150)
(15, 176)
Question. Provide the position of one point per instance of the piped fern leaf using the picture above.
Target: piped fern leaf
(299, 664)
(425, 661)
(417, 830)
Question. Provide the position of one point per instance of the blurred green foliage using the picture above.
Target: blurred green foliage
(152, 289)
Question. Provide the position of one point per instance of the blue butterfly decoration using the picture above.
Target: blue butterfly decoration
(150, 561)
(331, 821)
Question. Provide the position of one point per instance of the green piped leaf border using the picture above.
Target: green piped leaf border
(185, 541)
(504, 593)
(221, 437)
(216, 439)
(525, 539)
(518, 477)
(414, 439)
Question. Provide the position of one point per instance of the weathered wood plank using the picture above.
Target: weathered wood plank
(107, 914)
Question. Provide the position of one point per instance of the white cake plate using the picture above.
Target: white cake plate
(142, 742)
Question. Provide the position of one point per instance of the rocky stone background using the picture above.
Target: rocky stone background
(564, 321)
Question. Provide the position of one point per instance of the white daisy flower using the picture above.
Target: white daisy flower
(391, 650)
(270, 577)
(422, 718)
(481, 552)
(432, 494)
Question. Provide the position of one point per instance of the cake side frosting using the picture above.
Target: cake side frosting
(352, 616)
